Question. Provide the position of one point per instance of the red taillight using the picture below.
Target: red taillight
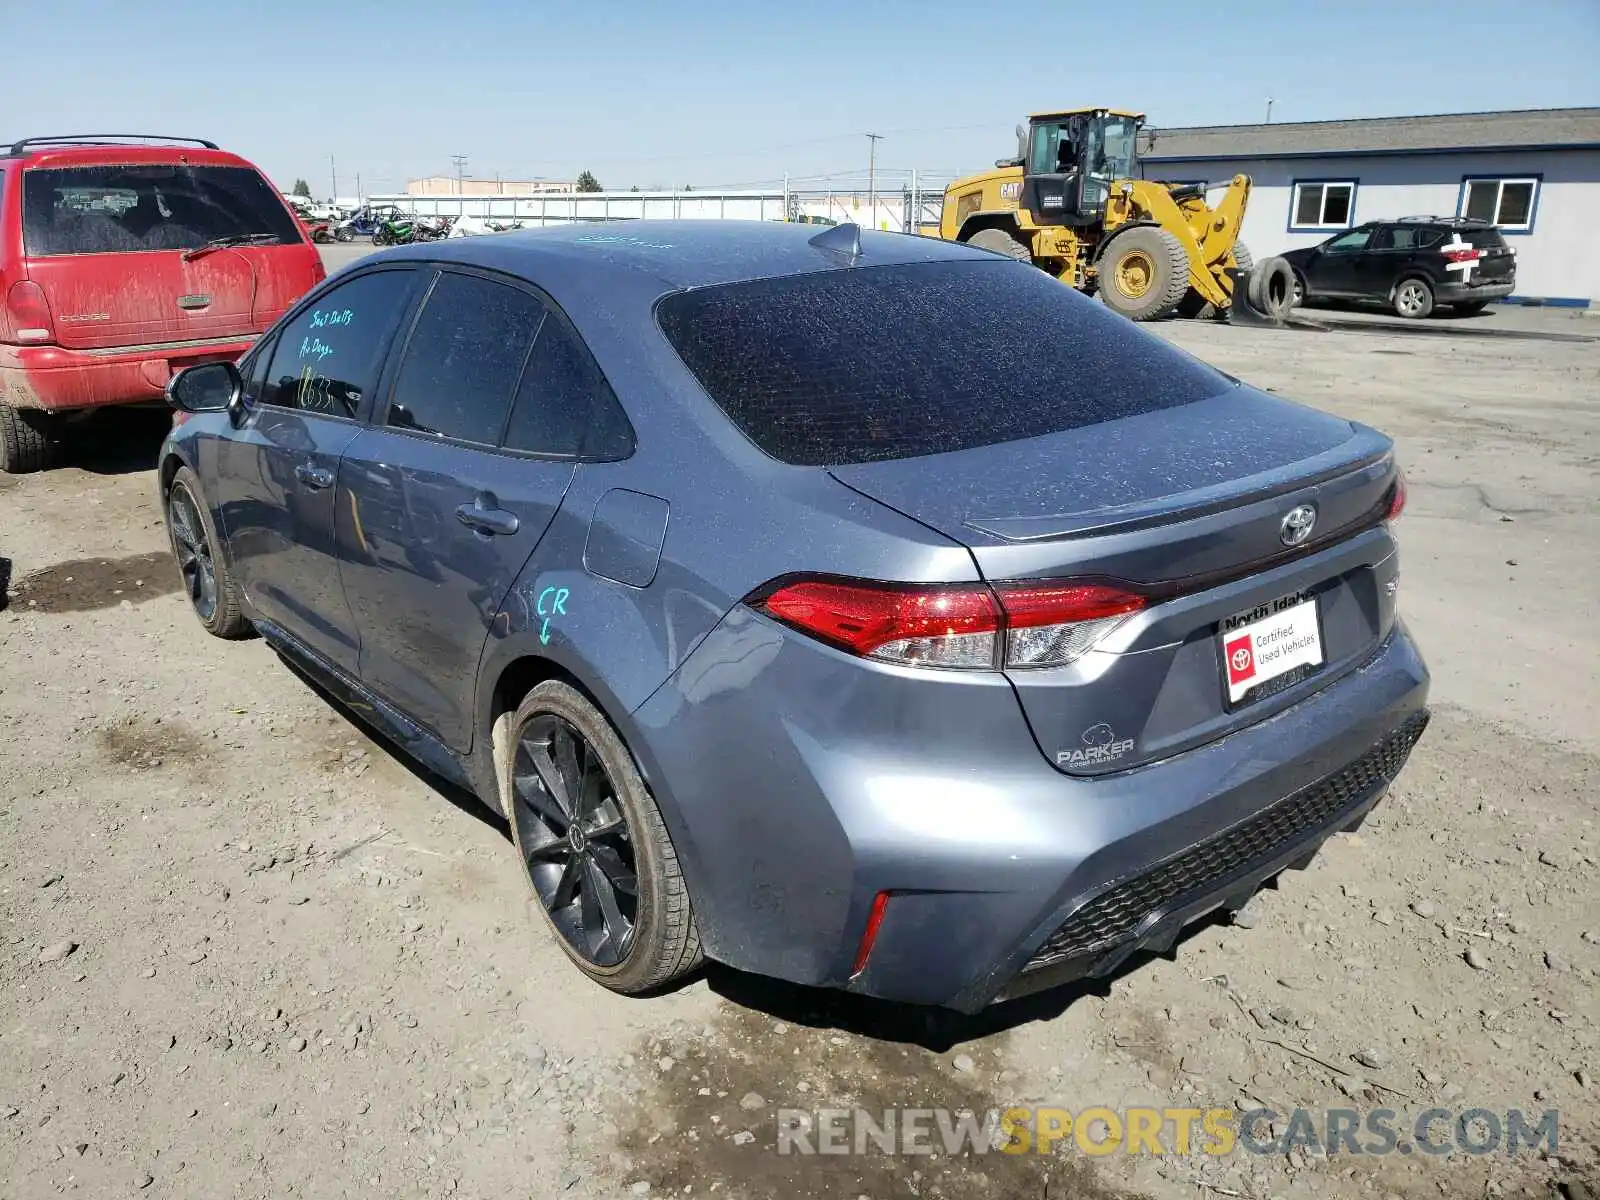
(28, 313)
(880, 905)
(957, 625)
(963, 626)
(1397, 498)
(1467, 255)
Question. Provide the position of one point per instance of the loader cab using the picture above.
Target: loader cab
(1070, 161)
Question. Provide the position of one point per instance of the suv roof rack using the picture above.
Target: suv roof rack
(21, 145)
(1436, 220)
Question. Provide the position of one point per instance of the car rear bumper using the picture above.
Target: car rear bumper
(798, 790)
(1464, 293)
(57, 379)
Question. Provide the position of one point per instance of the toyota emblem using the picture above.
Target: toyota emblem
(1297, 524)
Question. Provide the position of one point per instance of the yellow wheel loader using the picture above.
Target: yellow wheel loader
(1072, 203)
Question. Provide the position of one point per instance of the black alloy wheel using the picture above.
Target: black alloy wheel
(577, 845)
(193, 549)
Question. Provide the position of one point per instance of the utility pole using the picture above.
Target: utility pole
(872, 176)
(460, 161)
(1269, 110)
(358, 188)
(334, 171)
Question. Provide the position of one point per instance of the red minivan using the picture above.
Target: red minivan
(123, 260)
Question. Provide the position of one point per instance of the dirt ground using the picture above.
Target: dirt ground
(246, 952)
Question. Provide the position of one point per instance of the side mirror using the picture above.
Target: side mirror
(209, 387)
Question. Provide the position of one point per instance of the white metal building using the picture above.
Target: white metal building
(1535, 173)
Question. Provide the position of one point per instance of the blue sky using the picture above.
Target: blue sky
(719, 92)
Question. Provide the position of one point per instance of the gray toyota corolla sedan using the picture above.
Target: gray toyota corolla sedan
(853, 608)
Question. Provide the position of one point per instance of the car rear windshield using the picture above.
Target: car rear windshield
(874, 363)
(121, 208)
(1484, 237)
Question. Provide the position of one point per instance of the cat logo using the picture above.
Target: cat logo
(1012, 190)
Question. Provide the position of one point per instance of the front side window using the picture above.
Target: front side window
(1349, 243)
(1117, 153)
(464, 359)
(1323, 205)
(133, 207)
(1508, 203)
(328, 357)
(876, 363)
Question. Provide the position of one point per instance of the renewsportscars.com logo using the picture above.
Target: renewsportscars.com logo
(1162, 1131)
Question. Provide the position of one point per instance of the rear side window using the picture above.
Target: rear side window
(464, 359)
(112, 209)
(327, 358)
(564, 406)
(852, 366)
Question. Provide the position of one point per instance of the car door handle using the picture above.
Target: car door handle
(487, 520)
(314, 476)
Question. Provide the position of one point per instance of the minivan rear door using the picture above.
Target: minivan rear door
(121, 250)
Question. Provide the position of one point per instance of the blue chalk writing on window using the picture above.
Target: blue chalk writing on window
(314, 347)
(340, 316)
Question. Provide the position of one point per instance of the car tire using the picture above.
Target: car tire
(1297, 297)
(1001, 241)
(1413, 298)
(213, 593)
(1143, 273)
(25, 441)
(622, 838)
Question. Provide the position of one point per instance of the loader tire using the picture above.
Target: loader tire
(1144, 273)
(1001, 242)
(1271, 288)
(1196, 306)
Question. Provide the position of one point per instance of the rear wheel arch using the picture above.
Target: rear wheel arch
(1004, 221)
(516, 679)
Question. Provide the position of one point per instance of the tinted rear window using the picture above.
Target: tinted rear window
(1484, 237)
(877, 363)
(111, 209)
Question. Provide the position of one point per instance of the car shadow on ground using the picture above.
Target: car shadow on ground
(115, 441)
(5, 582)
(933, 1029)
(456, 795)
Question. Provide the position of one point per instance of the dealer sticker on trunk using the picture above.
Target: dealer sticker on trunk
(1255, 651)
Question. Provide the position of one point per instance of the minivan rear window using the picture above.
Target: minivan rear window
(132, 207)
(875, 363)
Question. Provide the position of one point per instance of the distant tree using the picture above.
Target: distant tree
(588, 183)
(302, 188)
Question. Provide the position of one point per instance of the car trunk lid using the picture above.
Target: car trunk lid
(1187, 506)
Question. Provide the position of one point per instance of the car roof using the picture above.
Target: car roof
(45, 153)
(682, 254)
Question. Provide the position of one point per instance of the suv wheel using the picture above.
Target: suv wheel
(1413, 298)
(593, 845)
(25, 443)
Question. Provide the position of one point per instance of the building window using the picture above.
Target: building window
(1508, 203)
(1323, 204)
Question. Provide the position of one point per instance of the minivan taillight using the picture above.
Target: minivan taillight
(1016, 625)
(28, 313)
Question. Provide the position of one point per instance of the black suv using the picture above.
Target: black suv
(1412, 265)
